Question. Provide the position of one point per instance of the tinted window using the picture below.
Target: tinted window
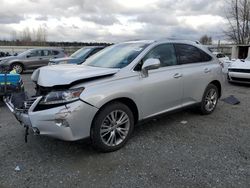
(46, 52)
(164, 52)
(36, 53)
(190, 54)
(204, 56)
(54, 52)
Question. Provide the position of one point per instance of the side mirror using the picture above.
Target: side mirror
(150, 64)
(28, 56)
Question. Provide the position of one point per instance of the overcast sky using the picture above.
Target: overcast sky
(114, 20)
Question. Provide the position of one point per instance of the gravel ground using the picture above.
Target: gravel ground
(207, 151)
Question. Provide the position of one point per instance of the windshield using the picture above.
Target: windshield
(83, 52)
(117, 56)
(24, 53)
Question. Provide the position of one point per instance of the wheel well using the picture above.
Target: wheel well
(218, 85)
(17, 63)
(128, 102)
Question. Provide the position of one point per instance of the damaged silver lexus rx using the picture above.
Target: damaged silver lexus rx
(116, 88)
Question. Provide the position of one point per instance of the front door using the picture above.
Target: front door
(162, 89)
(32, 59)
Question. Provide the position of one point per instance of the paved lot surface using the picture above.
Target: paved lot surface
(208, 151)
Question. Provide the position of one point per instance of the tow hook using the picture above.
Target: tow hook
(26, 133)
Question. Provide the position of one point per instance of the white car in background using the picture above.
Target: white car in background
(221, 56)
(239, 71)
(224, 60)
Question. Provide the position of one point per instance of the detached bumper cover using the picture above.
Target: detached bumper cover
(68, 122)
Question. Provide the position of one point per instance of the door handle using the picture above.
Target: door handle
(177, 75)
(207, 70)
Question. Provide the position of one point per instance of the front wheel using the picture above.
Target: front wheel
(209, 100)
(18, 67)
(112, 127)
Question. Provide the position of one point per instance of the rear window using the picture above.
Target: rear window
(190, 54)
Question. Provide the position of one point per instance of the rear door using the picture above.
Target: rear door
(46, 55)
(197, 67)
(162, 89)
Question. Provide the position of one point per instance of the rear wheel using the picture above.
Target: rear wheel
(18, 67)
(112, 127)
(209, 100)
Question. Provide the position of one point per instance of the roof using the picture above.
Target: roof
(93, 46)
(164, 40)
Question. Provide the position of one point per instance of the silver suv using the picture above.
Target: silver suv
(118, 87)
(31, 59)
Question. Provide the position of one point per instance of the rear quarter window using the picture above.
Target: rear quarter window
(190, 54)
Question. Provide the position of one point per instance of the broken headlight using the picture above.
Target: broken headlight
(62, 97)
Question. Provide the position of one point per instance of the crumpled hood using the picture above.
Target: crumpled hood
(240, 65)
(56, 75)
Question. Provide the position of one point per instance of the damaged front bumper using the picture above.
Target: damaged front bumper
(68, 122)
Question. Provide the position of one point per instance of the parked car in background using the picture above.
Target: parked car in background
(78, 57)
(221, 56)
(239, 71)
(2, 54)
(31, 59)
(124, 83)
(224, 60)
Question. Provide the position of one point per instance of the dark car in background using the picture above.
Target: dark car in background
(77, 57)
(31, 59)
(4, 54)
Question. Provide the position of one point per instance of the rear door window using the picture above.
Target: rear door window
(190, 54)
(54, 52)
(46, 53)
(36, 53)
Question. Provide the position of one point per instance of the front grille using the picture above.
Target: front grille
(239, 70)
(240, 79)
(28, 103)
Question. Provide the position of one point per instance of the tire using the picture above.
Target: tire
(18, 66)
(209, 100)
(107, 135)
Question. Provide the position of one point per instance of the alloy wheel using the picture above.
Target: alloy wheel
(211, 100)
(18, 68)
(115, 128)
